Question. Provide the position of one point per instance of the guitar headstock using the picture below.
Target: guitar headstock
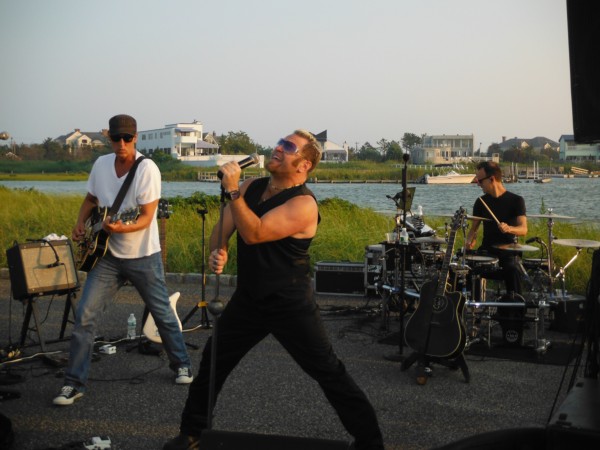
(458, 218)
(164, 209)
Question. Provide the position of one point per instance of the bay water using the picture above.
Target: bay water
(575, 197)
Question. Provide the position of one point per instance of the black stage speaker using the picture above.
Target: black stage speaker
(41, 268)
(225, 440)
(583, 20)
(339, 277)
(576, 424)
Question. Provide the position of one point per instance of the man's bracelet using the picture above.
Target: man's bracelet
(233, 195)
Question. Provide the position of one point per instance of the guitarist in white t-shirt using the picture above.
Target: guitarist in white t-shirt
(132, 254)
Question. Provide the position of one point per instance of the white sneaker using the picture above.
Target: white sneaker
(68, 394)
(184, 376)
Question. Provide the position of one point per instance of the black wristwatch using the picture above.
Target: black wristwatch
(232, 195)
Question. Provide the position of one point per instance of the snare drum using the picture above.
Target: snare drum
(481, 264)
(535, 263)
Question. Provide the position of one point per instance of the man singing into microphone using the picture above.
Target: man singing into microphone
(276, 218)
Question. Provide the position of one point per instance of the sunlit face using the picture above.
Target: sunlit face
(287, 154)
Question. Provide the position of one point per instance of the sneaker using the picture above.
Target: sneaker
(183, 442)
(184, 376)
(68, 394)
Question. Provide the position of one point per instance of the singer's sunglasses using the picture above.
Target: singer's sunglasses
(287, 146)
(126, 137)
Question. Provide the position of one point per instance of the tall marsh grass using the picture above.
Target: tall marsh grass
(344, 232)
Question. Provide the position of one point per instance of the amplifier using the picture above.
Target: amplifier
(41, 268)
(339, 277)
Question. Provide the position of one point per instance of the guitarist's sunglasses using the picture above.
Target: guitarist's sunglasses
(117, 137)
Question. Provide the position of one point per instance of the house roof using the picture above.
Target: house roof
(536, 142)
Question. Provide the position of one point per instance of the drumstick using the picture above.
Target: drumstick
(490, 211)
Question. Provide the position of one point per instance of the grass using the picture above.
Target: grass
(344, 232)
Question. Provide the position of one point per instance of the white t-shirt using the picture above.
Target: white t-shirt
(104, 184)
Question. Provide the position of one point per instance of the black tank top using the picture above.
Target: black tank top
(269, 266)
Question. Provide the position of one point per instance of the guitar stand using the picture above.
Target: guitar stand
(424, 363)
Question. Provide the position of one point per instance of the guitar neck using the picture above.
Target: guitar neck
(163, 242)
(444, 271)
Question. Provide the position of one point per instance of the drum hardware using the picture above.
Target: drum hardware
(550, 216)
(579, 244)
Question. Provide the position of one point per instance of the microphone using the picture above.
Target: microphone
(249, 161)
(533, 239)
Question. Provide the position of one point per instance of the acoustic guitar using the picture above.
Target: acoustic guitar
(437, 328)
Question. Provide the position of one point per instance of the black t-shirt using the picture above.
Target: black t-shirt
(506, 208)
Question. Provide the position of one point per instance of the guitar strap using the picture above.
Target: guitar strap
(114, 209)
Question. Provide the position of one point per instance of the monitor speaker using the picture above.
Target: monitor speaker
(583, 21)
(41, 268)
(226, 440)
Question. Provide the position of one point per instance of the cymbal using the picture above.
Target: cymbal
(517, 247)
(549, 216)
(579, 243)
(467, 216)
(428, 240)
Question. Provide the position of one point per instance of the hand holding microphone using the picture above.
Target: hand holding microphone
(246, 162)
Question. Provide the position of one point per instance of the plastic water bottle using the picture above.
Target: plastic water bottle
(404, 237)
(131, 327)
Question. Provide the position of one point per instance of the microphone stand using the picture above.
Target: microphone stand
(215, 307)
(403, 248)
(204, 321)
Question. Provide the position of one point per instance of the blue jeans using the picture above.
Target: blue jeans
(103, 281)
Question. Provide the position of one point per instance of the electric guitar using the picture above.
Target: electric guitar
(94, 244)
(437, 328)
(150, 329)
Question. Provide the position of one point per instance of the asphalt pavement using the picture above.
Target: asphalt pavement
(132, 398)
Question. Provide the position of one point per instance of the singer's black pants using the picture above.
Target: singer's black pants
(294, 320)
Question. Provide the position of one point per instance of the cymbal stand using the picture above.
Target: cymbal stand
(560, 275)
(550, 259)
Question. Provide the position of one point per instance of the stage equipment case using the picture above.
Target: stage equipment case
(339, 277)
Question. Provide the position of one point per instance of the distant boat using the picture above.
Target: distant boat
(536, 174)
(451, 177)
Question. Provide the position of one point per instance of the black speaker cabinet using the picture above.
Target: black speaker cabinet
(41, 268)
(225, 440)
(583, 20)
(576, 424)
(339, 277)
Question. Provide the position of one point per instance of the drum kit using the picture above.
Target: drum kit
(404, 268)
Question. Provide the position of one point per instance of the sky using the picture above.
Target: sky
(362, 70)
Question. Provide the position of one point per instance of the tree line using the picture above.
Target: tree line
(240, 143)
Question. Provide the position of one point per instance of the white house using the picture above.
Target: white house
(78, 139)
(332, 152)
(444, 149)
(178, 140)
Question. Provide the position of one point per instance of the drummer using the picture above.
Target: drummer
(504, 212)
